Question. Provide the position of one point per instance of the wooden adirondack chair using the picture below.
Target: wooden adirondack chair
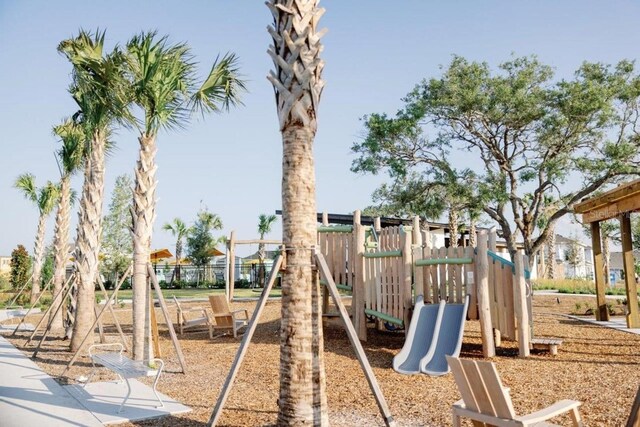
(188, 321)
(224, 318)
(487, 403)
(634, 416)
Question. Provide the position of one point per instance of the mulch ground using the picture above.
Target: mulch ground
(595, 365)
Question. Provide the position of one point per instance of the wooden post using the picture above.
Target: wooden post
(418, 254)
(633, 320)
(376, 224)
(494, 292)
(232, 265)
(33, 304)
(113, 314)
(405, 285)
(598, 266)
(325, 293)
(244, 345)
(520, 305)
(155, 336)
(167, 318)
(358, 298)
(484, 311)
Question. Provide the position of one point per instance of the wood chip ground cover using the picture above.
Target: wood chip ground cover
(595, 365)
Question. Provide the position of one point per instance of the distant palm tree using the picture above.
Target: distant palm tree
(98, 88)
(163, 85)
(179, 230)
(298, 86)
(45, 199)
(70, 156)
(265, 222)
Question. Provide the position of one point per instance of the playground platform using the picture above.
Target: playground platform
(30, 397)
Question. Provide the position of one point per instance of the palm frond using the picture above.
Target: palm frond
(48, 197)
(73, 138)
(26, 183)
(222, 88)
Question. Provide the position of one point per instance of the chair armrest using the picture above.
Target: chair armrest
(236, 312)
(160, 361)
(554, 410)
(188, 310)
(119, 346)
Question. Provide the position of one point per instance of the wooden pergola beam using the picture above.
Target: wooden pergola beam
(620, 192)
(598, 265)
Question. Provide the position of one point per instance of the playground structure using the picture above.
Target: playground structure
(386, 269)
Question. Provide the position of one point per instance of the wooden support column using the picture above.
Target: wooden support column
(405, 285)
(494, 291)
(418, 254)
(325, 291)
(598, 266)
(232, 265)
(520, 305)
(484, 311)
(633, 320)
(358, 298)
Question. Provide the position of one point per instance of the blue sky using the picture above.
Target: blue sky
(375, 52)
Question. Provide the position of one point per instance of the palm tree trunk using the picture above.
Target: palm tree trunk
(302, 382)
(38, 257)
(453, 228)
(144, 206)
(178, 256)
(473, 229)
(60, 247)
(551, 260)
(88, 240)
(261, 256)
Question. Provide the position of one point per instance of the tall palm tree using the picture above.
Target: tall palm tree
(70, 157)
(179, 230)
(265, 222)
(45, 199)
(99, 91)
(163, 85)
(298, 86)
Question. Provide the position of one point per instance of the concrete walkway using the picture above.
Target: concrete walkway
(29, 397)
(619, 323)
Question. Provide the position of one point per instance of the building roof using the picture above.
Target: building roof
(562, 239)
(615, 259)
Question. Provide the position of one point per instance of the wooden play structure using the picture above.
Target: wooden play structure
(386, 268)
(618, 203)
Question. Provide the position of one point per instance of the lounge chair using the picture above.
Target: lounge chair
(187, 321)
(224, 318)
(485, 400)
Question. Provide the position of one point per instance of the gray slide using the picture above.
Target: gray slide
(448, 341)
(423, 331)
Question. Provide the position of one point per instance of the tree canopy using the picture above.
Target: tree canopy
(117, 245)
(200, 240)
(535, 145)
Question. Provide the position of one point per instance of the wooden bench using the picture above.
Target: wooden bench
(549, 344)
(125, 368)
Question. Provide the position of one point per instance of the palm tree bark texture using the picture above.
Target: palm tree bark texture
(88, 240)
(298, 86)
(61, 236)
(144, 208)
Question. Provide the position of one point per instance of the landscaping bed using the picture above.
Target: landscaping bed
(597, 366)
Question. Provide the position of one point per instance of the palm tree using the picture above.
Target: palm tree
(298, 86)
(98, 89)
(70, 156)
(179, 230)
(265, 222)
(163, 85)
(45, 199)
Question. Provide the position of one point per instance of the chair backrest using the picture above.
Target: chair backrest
(480, 387)
(180, 313)
(221, 310)
(634, 416)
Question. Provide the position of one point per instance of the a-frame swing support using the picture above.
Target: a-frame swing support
(351, 332)
(165, 312)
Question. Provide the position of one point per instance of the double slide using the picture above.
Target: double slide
(435, 332)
